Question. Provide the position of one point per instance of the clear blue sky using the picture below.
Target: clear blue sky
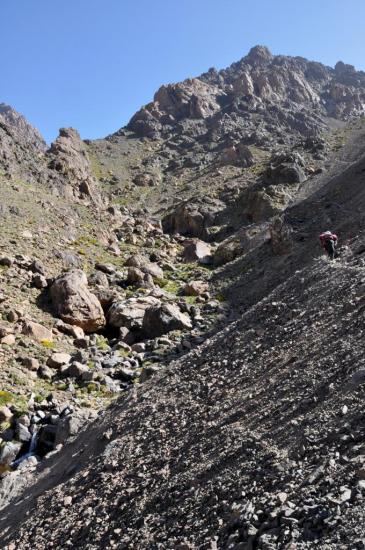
(92, 63)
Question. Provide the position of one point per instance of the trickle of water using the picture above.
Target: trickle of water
(30, 452)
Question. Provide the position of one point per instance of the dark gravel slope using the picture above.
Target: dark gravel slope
(253, 441)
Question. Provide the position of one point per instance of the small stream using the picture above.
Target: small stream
(30, 452)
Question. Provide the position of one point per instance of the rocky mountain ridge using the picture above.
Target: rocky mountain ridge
(254, 101)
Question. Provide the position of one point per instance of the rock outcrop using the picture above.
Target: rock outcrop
(192, 218)
(130, 313)
(70, 166)
(241, 243)
(144, 265)
(262, 100)
(285, 169)
(189, 99)
(64, 167)
(22, 147)
(281, 236)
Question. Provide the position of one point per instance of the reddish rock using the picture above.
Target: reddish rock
(195, 288)
(36, 331)
(75, 304)
(8, 340)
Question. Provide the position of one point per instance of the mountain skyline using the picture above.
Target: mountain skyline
(130, 118)
(81, 66)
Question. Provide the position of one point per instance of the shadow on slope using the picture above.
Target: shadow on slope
(339, 205)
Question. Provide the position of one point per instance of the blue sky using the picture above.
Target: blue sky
(92, 63)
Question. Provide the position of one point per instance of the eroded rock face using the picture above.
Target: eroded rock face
(281, 236)
(75, 304)
(161, 319)
(68, 158)
(189, 99)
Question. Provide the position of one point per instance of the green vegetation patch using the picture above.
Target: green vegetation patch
(5, 398)
(101, 342)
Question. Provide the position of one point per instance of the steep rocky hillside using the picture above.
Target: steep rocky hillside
(180, 366)
(253, 440)
(94, 297)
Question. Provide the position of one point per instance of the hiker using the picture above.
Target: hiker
(329, 242)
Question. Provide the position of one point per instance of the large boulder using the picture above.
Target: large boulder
(75, 304)
(57, 360)
(5, 414)
(136, 277)
(196, 250)
(73, 424)
(36, 331)
(163, 318)
(145, 180)
(261, 204)
(195, 288)
(144, 265)
(237, 154)
(8, 452)
(241, 243)
(130, 313)
(186, 219)
(227, 251)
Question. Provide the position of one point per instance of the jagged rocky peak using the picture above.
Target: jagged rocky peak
(259, 55)
(257, 85)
